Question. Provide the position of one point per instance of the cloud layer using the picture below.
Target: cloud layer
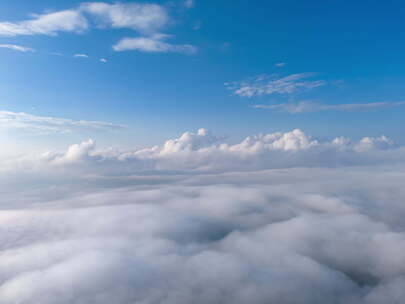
(198, 220)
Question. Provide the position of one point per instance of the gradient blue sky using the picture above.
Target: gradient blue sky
(355, 51)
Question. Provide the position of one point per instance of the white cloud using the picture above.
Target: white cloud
(42, 124)
(47, 24)
(103, 60)
(189, 3)
(18, 48)
(81, 56)
(153, 44)
(88, 226)
(145, 18)
(280, 64)
(308, 106)
(269, 85)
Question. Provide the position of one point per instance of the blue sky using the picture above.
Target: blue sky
(236, 67)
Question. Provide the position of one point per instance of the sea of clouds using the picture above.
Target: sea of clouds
(276, 218)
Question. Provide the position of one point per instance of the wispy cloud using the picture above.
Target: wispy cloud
(280, 64)
(272, 84)
(153, 44)
(47, 24)
(189, 3)
(140, 17)
(308, 106)
(146, 19)
(81, 56)
(43, 124)
(18, 48)
(103, 60)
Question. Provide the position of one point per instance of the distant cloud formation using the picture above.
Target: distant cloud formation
(146, 19)
(18, 48)
(198, 220)
(307, 106)
(280, 64)
(42, 124)
(153, 44)
(263, 85)
(103, 60)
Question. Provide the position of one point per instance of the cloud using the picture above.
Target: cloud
(189, 3)
(47, 24)
(144, 18)
(308, 106)
(18, 48)
(280, 64)
(89, 226)
(153, 44)
(269, 85)
(81, 56)
(103, 60)
(42, 124)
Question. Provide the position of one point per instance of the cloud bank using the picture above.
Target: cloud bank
(276, 218)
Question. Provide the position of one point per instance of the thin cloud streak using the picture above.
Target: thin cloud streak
(43, 124)
(154, 44)
(18, 48)
(272, 84)
(308, 107)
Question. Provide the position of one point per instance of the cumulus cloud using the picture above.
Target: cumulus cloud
(268, 85)
(42, 124)
(18, 48)
(103, 226)
(308, 106)
(153, 44)
(103, 60)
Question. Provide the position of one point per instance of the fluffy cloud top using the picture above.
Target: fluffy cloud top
(198, 220)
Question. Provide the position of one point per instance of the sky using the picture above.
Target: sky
(158, 69)
(202, 152)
